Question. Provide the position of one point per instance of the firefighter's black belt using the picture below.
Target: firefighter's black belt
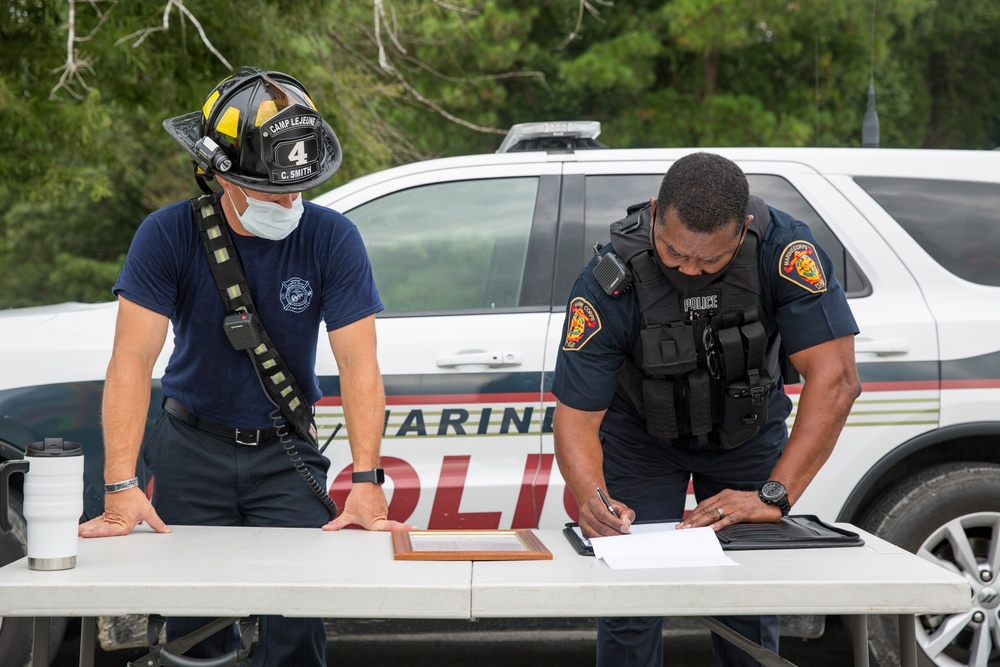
(240, 436)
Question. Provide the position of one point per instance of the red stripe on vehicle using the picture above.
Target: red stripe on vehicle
(548, 397)
(420, 399)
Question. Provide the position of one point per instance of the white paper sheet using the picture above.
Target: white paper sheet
(660, 545)
(635, 529)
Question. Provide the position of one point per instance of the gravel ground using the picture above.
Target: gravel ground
(688, 649)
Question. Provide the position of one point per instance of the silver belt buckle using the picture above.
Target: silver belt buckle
(254, 435)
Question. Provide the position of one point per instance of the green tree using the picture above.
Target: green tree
(86, 161)
(85, 158)
(949, 96)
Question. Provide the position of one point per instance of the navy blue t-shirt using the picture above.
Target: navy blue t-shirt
(319, 273)
(799, 293)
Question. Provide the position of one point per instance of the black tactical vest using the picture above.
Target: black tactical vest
(705, 363)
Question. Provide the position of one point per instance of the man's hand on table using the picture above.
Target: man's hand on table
(731, 507)
(366, 507)
(123, 511)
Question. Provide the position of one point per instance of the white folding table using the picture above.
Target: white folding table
(877, 578)
(223, 572)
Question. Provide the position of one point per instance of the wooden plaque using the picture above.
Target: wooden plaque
(467, 545)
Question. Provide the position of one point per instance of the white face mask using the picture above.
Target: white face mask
(268, 219)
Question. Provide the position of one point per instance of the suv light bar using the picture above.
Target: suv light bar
(564, 136)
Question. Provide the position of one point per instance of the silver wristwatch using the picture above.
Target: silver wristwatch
(121, 486)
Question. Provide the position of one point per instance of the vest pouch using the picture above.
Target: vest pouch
(744, 411)
(669, 350)
(630, 388)
(660, 411)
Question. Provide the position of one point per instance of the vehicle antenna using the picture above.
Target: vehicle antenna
(816, 86)
(869, 127)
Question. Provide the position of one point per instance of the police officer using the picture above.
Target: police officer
(225, 451)
(671, 370)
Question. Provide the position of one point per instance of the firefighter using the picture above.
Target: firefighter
(235, 444)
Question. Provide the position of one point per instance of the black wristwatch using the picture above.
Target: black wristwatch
(774, 493)
(375, 476)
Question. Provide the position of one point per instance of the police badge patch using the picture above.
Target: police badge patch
(583, 322)
(799, 263)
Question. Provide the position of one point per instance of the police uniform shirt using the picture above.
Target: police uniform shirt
(799, 293)
(319, 273)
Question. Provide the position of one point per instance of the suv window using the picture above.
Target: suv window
(607, 197)
(782, 195)
(955, 222)
(459, 245)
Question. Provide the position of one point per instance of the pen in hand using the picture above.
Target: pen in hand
(607, 503)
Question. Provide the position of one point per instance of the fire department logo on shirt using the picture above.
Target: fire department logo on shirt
(296, 295)
(799, 263)
(583, 322)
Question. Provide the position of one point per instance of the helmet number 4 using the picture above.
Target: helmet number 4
(294, 153)
(298, 154)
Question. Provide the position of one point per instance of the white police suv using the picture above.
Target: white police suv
(474, 258)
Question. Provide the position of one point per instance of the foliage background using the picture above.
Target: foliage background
(84, 162)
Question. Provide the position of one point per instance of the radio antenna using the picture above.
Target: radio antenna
(816, 85)
(869, 128)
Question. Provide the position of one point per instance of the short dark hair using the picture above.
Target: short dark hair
(706, 191)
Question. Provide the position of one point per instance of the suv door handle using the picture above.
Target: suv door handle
(479, 358)
(882, 348)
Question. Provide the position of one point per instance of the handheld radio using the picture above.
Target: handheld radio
(611, 273)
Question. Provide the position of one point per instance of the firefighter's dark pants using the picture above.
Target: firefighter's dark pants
(204, 479)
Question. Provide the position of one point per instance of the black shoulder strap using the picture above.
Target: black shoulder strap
(761, 216)
(761, 221)
(230, 280)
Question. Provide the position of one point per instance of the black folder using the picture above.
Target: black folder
(801, 531)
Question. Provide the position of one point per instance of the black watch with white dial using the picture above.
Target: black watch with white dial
(774, 493)
(375, 476)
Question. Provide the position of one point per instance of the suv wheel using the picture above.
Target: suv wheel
(16, 633)
(949, 515)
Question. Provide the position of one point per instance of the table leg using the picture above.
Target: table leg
(88, 645)
(859, 629)
(40, 642)
(764, 656)
(907, 641)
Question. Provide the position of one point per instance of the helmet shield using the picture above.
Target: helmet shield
(260, 130)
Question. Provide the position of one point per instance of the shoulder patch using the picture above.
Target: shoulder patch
(799, 263)
(581, 325)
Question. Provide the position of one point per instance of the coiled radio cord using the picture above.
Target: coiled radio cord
(281, 427)
(300, 467)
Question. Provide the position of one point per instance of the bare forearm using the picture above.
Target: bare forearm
(818, 423)
(139, 336)
(124, 410)
(363, 399)
(581, 462)
(830, 389)
(578, 451)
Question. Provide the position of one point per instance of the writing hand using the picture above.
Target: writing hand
(597, 520)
